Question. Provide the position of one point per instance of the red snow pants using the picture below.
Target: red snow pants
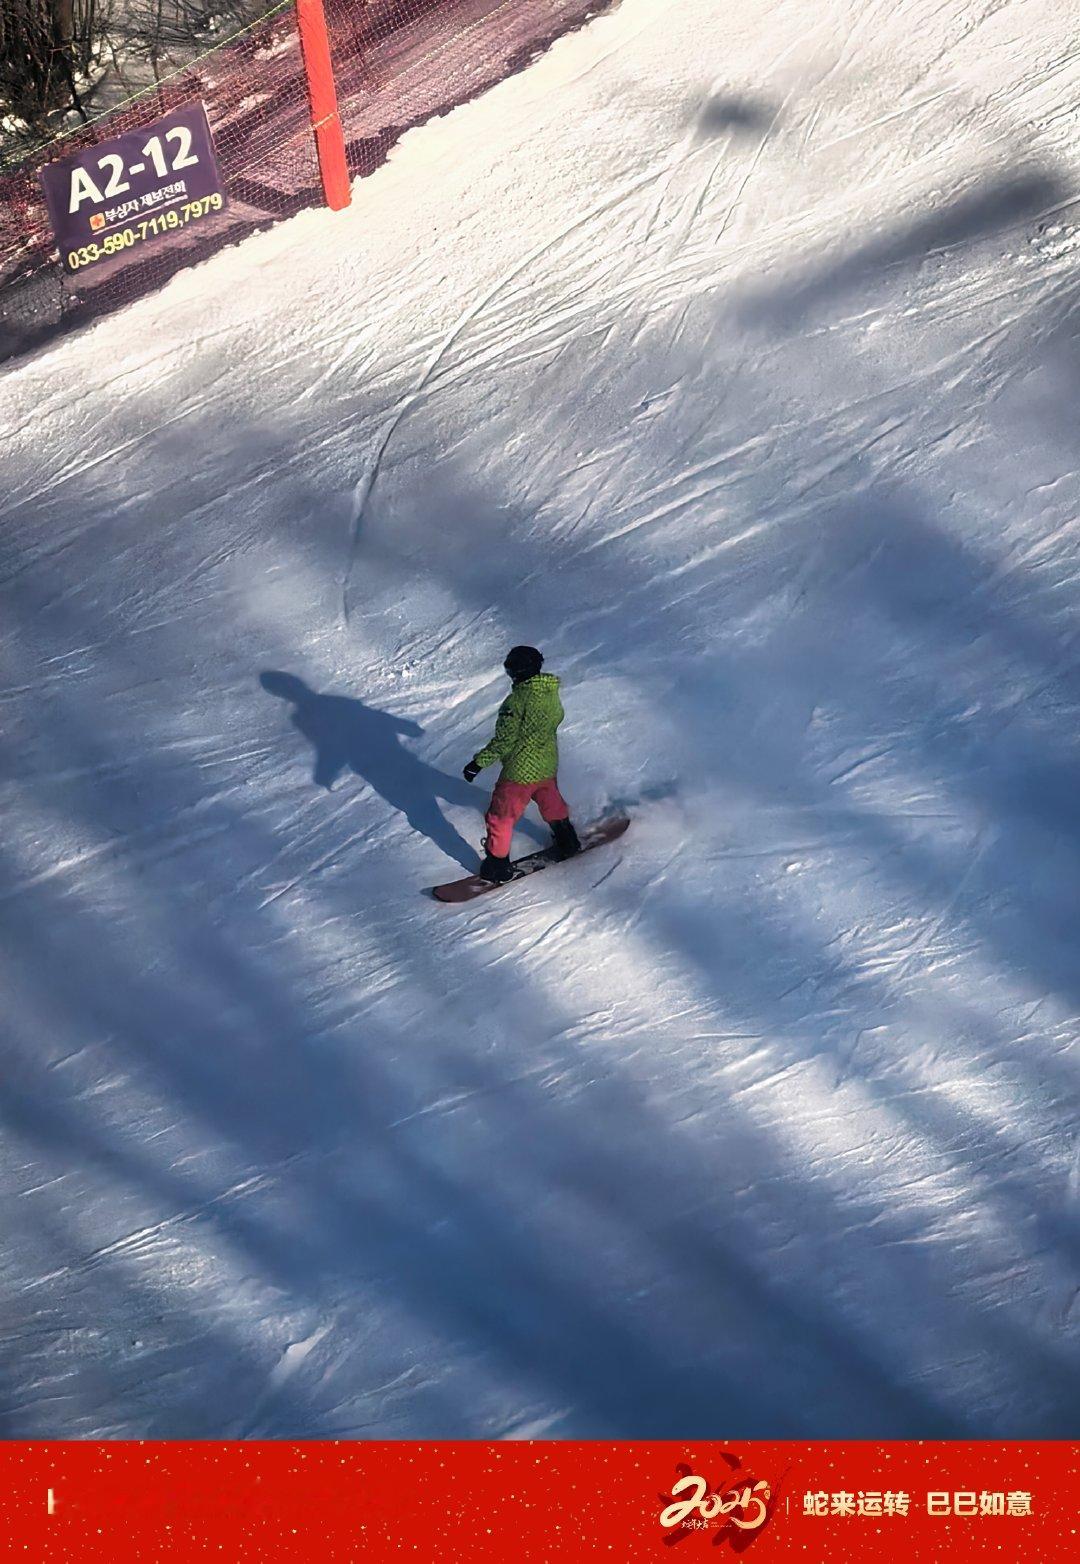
(510, 801)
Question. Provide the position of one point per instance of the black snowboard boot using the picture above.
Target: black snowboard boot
(497, 870)
(566, 838)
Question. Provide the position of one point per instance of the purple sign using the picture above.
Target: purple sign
(143, 185)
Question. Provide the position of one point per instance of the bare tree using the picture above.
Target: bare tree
(45, 46)
(50, 49)
(165, 34)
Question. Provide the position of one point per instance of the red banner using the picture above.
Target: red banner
(542, 1501)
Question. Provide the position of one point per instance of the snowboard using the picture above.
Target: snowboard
(595, 835)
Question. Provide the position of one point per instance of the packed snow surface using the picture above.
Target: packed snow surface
(731, 354)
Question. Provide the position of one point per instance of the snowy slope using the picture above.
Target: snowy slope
(731, 354)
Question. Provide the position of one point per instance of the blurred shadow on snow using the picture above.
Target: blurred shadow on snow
(729, 111)
(951, 652)
(994, 204)
(134, 1324)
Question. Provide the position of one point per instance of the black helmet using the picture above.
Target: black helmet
(523, 662)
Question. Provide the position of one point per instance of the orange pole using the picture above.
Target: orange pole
(325, 120)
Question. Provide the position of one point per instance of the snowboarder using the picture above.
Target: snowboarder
(525, 742)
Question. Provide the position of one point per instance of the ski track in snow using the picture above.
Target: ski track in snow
(733, 359)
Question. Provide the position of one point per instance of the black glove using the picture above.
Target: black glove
(472, 771)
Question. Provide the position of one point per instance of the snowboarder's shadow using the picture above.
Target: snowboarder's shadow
(347, 735)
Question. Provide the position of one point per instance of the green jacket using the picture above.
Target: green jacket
(525, 731)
